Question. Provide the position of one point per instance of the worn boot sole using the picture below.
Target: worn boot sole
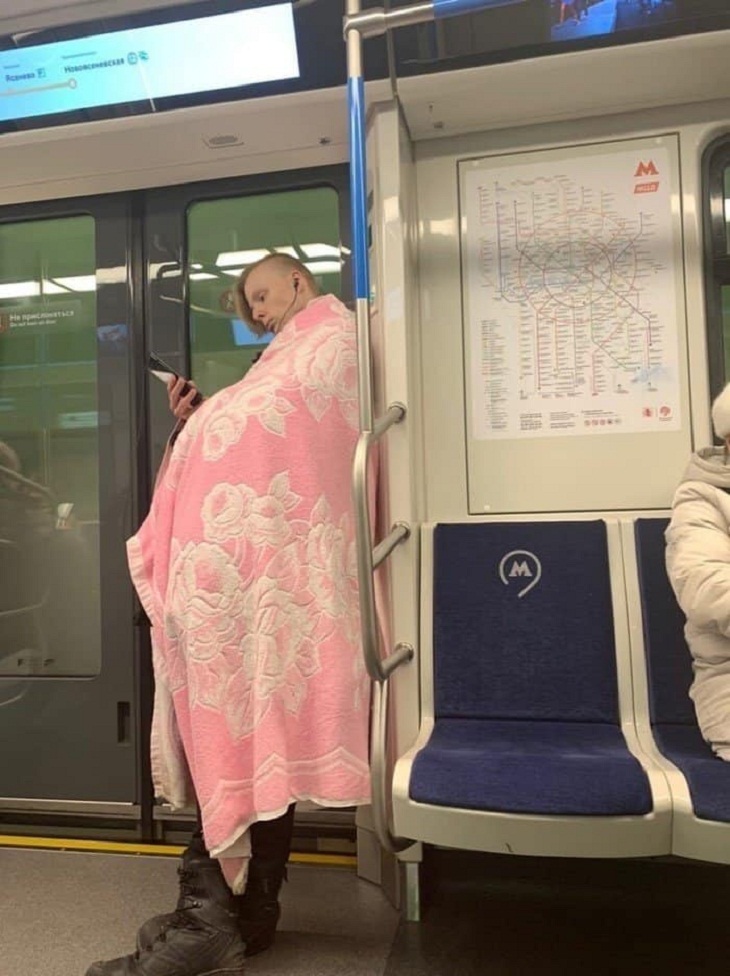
(223, 972)
(100, 970)
(146, 939)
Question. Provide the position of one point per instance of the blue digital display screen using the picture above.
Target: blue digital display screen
(578, 19)
(205, 54)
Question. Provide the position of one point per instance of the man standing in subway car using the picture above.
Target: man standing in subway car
(246, 569)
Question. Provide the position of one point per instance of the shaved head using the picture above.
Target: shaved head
(272, 291)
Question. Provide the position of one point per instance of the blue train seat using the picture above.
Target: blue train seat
(702, 792)
(526, 741)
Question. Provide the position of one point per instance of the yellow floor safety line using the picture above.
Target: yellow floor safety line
(155, 850)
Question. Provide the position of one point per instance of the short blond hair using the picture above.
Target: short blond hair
(283, 261)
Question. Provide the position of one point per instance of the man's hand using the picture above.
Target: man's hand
(182, 406)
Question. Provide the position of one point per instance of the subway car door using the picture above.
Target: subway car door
(88, 288)
(197, 240)
(68, 501)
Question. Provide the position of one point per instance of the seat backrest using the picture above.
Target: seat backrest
(668, 660)
(523, 622)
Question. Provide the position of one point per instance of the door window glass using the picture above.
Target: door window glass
(49, 447)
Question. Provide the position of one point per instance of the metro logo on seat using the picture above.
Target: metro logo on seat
(642, 171)
(518, 566)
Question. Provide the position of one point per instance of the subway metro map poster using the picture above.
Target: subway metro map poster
(572, 291)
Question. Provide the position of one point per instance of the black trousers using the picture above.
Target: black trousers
(270, 841)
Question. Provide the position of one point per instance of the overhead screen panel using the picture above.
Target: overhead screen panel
(206, 52)
(583, 19)
(532, 28)
(247, 47)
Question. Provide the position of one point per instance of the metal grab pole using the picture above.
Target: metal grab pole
(370, 432)
(360, 24)
(379, 775)
(358, 206)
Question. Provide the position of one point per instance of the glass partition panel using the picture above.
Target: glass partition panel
(49, 447)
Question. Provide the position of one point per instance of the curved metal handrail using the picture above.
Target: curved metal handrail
(379, 766)
(367, 559)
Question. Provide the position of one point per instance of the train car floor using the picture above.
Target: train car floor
(499, 915)
(61, 911)
(482, 916)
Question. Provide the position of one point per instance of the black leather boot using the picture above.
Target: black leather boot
(257, 912)
(196, 864)
(258, 908)
(202, 938)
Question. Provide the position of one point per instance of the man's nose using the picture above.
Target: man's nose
(260, 314)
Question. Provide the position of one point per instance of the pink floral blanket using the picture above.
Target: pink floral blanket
(246, 568)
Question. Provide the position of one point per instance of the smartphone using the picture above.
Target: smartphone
(159, 368)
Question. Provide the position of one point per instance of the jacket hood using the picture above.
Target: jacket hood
(708, 466)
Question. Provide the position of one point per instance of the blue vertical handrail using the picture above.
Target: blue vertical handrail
(358, 188)
(360, 24)
(369, 23)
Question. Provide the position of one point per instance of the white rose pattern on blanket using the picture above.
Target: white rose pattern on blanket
(271, 630)
(246, 566)
(324, 373)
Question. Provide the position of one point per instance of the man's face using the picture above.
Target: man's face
(273, 296)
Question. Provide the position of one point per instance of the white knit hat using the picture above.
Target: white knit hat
(721, 413)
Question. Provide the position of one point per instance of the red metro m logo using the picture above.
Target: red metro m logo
(643, 171)
(646, 169)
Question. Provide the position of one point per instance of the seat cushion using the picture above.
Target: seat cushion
(548, 768)
(708, 776)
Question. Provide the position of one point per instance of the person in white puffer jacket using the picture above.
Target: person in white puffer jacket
(698, 564)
